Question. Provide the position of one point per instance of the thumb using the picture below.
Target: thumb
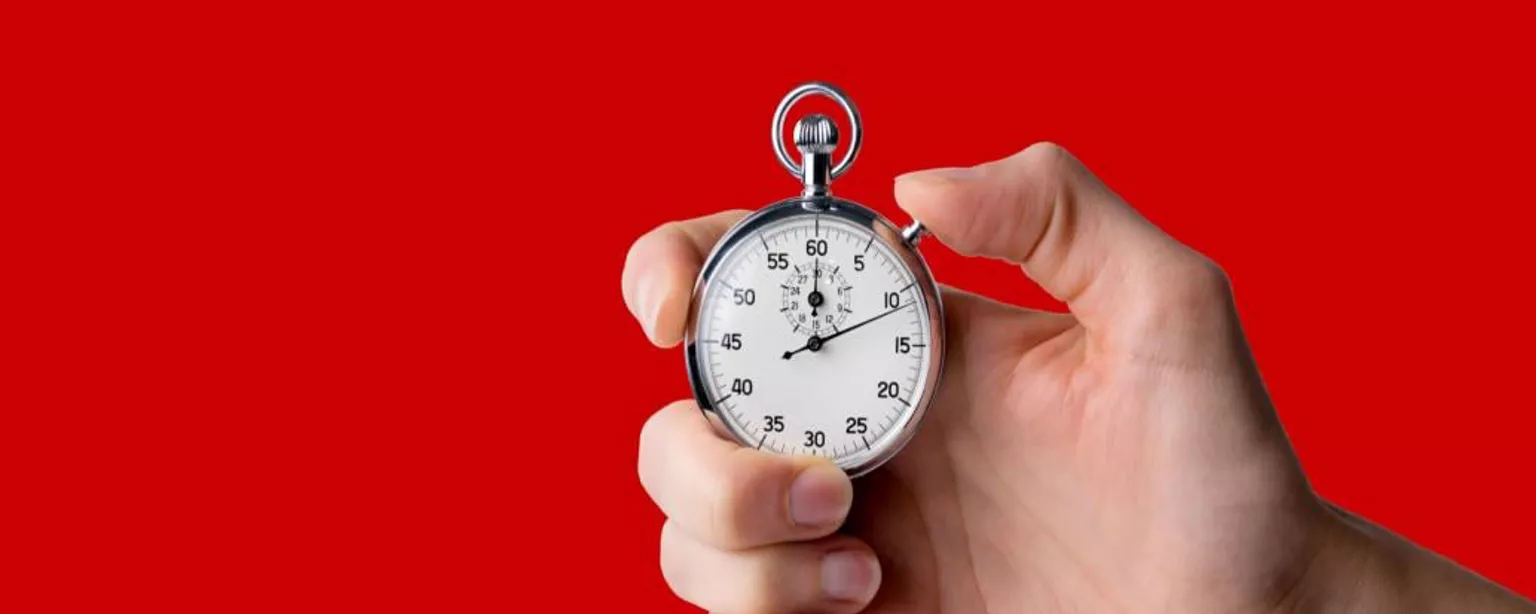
(1042, 209)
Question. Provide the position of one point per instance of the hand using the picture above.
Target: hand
(815, 287)
(1123, 458)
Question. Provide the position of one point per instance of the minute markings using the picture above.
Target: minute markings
(805, 382)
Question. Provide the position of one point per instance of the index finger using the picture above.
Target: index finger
(661, 267)
(735, 497)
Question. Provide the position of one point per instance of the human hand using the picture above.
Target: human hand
(1121, 458)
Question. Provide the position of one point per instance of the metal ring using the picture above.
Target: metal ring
(856, 132)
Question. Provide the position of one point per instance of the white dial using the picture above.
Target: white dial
(813, 337)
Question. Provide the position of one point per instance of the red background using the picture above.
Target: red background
(318, 306)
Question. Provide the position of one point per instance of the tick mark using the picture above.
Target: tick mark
(722, 399)
(904, 288)
(898, 399)
(866, 245)
(760, 441)
(764, 240)
(866, 441)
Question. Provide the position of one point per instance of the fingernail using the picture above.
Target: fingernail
(820, 496)
(850, 576)
(951, 174)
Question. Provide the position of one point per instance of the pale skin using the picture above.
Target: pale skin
(1122, 458)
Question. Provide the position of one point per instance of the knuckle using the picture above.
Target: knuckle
(1191, 283)
(642, 254)
(675, 569)
(1043, 160)
(1201, 279)
(695, 574)
(653, 442)
(660, 421)
(699, 235)
(766, 588)
(632, 256)
(647, 448)
(646, 243)
(670, 231)
(654, 243)
(743, 489)
(629, 277)
(1045, 171)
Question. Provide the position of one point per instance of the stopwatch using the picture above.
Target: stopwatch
(815, 326)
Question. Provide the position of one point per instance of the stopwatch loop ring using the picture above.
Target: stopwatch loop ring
(855, 129)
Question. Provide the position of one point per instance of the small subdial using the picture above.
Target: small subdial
(817, 298)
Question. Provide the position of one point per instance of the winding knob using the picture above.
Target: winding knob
(816, 134)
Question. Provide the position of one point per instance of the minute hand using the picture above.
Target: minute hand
(823, 340)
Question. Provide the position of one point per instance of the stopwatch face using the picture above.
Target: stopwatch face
(814, 333)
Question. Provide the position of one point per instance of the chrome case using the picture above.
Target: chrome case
(816, 137)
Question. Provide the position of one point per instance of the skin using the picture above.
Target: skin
(1124, 457)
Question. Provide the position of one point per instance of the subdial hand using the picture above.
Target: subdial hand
(815, 299)
(815, 343)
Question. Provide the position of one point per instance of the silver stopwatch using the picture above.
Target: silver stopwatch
(815, 326)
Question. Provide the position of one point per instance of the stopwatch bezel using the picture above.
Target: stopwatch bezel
(861, 462)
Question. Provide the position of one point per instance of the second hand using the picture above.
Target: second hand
(815, 343)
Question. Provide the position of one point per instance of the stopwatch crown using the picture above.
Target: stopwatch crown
(816, 134)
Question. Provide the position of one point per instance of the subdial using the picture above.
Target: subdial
(817, 298)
